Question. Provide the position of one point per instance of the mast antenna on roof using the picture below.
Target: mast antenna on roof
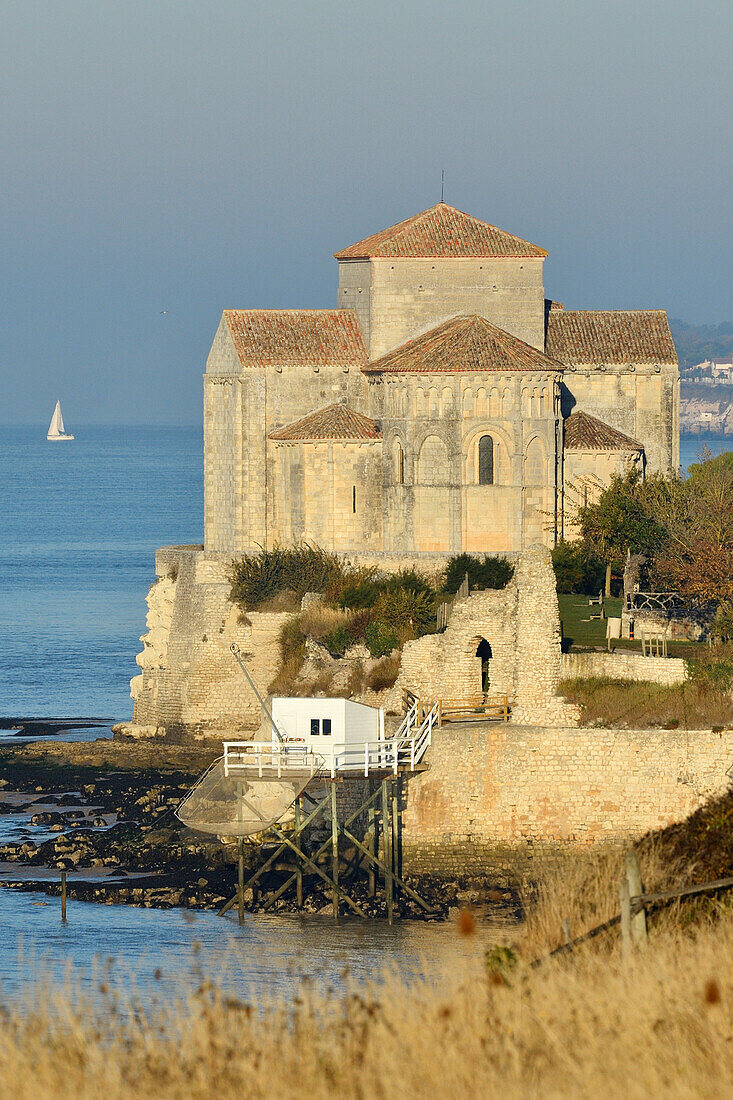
(442, 184)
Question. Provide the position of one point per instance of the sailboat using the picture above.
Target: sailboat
(56, 430)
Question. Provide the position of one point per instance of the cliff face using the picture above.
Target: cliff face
(706, 409)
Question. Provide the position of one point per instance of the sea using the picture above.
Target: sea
(80, 524)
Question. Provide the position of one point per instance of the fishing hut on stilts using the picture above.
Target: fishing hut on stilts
(320, 798)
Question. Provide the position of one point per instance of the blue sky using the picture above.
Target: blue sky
(191, 157)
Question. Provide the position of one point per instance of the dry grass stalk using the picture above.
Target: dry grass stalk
(624, 704)
(584, 1027)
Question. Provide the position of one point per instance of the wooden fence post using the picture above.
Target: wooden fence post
(636, 890)
(625, 897)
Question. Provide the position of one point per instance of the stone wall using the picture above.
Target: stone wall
(521, 624)
(491, 786)
(624, 666)
(190, 683)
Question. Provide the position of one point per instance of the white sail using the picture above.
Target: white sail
(56, 429)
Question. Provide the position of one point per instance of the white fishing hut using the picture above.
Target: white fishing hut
(338, 730)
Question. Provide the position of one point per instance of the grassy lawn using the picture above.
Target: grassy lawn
(579, 631)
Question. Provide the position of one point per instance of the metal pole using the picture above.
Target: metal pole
(334, 852)
(387, 846)
(238, 658)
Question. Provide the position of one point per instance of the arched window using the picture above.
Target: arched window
(486, 460)
(399, 461)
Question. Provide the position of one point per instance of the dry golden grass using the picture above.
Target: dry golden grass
(582, 1027)
(624, 704)
(582, 887)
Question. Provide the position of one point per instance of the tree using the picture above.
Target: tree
(622, 519)
(698, 558)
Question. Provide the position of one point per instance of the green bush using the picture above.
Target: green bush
(360, 593)
(256, 578)
(380, 639)
(722, 624)
(408, 612)
(577, 570)
(338, 641)
(713, 670)
(486, 572)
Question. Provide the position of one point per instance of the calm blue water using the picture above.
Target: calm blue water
(691, 446)
(80, 525)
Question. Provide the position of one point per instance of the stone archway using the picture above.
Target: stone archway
(484, 655)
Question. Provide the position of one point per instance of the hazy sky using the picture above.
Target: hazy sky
(192, 157)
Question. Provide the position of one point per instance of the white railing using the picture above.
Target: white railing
(404, 750)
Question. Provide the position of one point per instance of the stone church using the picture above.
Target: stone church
(444, 405)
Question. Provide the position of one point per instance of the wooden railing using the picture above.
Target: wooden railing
(469, 708)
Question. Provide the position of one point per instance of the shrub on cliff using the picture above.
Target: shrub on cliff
(256, 578)
(486, 572)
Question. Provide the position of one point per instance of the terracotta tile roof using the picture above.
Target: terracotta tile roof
(597, 337)
(314, 337)
(444, 232)
(463, 344)
(585, 433)
(335, 422)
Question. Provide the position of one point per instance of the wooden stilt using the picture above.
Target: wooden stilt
(372, 841)
(298, 866)
(240, 879)
(387, 853)
(334, 852)
(396, 837)
(63, 896)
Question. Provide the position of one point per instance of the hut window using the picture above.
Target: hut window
(320, 726)
(486, 460)
(315, 727)
(326, 731)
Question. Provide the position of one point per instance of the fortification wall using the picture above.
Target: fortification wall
(494, 787)
(624, 666)
(190, 683)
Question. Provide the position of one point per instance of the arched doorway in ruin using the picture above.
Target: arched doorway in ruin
(484, 655)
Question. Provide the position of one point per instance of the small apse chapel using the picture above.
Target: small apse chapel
(444, 405)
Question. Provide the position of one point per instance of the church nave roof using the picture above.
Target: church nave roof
(463, 344)
(441, 232)
(609, 337)
(311, 337)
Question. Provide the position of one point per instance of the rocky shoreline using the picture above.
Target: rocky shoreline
(103, 811)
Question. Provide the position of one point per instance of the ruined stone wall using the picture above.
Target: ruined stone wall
(406, 297)
(538, 651)
(521, 624)
(190, 683)
(625, 666)
(493, 785)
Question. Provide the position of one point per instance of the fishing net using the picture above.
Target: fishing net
(240, 804)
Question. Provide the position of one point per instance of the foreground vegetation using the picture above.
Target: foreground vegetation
(486, 1024)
